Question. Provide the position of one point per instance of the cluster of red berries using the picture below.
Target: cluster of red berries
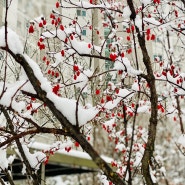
(76, 71)
(149, 36)
(55, 20)
(56, 89)
(40, 44)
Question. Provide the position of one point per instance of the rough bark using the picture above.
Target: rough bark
(153, 99)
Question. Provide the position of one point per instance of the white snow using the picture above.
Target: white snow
(138, 22)
(74, 153)
(35, 159)
(68, 108)
(181, 140)
(146, 2)
(125, 65)
(126, 12)
(13, 41)
(3, 159)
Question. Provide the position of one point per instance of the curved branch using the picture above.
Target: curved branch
(75, 133)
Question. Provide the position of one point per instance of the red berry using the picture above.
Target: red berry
(47, 62)
(40, 25)
(113, 56)
(53, 21)
(128, 38)
(75, 68)
(41, 39)
(31, 29)
(75, 77)
(77, 144)
(62, 27)
(132, 27)
(97, 91)
(148, 31)
(44, 58)
(128, 30)
(78, 73)
(89, 45)
(62, 52)
(57, 4)
(102, 100)
(49, 71)
(129, 51)
(108, 98)
(117, 90)
(71, 37)
(153, 37)
(122, 54)
(57, 74)
(44, 22)
(58, 19)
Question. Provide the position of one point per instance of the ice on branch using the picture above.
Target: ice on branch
(14, 44)
(124, 64)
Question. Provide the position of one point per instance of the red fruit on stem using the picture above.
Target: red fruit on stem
(53, 21)
(117, 90)
(62, 27)
(78, 73)
(62, 52)
(75, 77)
(153, 37)
(128, 30)
(44, 58)
(77, 144)
(71, 37)
(113, 56)
(31, 29)
(57, 74)
(89, 45)
(44, 22)
(41, 39)
(75, 68)
(57, 4)
(40, 25)
(102, 100)
(49, 71)
(122, 54)
(97, 91)
(148, 31)
(128, 38)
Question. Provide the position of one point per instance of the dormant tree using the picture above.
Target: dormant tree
(70, 94)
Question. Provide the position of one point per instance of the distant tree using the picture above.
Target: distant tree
(117, 91)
